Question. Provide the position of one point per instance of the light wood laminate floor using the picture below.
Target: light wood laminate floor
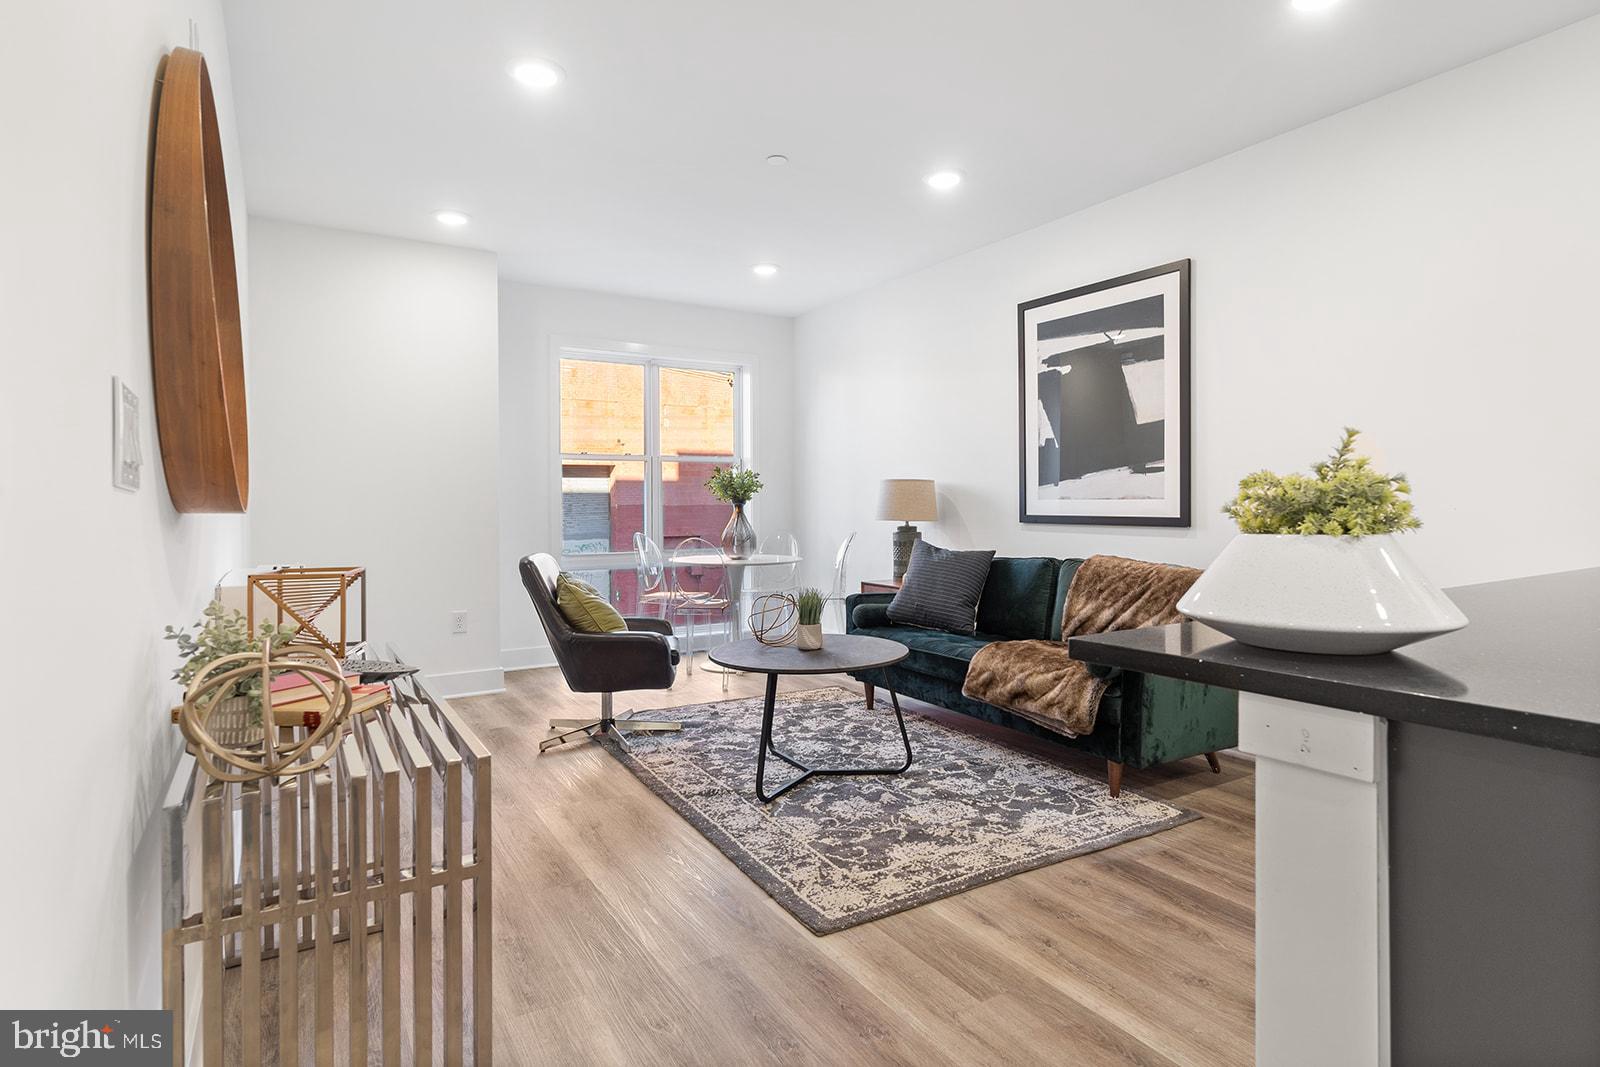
(624, 937)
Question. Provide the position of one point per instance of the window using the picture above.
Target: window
(639, 437)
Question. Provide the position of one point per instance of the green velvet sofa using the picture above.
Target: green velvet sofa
(1143, 719)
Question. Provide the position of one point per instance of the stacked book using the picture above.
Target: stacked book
(296, 700)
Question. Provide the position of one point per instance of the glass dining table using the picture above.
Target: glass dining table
(735, 572)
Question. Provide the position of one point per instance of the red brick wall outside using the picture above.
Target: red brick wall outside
(689, 510)
(602, 411)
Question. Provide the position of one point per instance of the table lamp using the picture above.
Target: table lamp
(906, 499)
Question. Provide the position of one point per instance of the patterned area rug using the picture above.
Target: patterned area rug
(839, 851)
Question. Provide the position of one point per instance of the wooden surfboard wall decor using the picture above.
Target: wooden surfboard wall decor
(197, 351)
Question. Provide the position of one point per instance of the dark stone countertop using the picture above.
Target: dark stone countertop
(1526, 668)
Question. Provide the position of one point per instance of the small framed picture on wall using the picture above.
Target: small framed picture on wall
(1103, 383)
(127, 458)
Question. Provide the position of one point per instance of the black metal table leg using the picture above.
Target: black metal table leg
(766, 746)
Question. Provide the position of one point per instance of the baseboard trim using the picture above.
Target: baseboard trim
(526, 659)
(467, 683)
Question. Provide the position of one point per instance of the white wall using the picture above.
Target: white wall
(92, 573)
(375, 379)
(1423, 266)
(531, 318)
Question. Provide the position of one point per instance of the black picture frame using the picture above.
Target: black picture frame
(1126, 511)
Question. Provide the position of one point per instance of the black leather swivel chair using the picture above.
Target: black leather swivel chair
(642, 657)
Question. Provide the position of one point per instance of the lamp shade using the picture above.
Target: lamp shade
(907, 499)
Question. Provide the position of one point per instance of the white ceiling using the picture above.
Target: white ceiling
(645, 171)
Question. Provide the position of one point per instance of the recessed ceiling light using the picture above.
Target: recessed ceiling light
(764, 270)
(943, 180)
(452, 218)
(777, 160)
(537, 73)
(1313, 5)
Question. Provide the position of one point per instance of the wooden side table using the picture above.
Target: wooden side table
(881, 585)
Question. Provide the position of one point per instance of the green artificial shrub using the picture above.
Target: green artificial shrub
(734, 485)
(808, 606)
(220, 633)
(1344, 497)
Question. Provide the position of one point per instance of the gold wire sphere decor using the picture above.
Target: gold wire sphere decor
(236, 738)
(773, 618)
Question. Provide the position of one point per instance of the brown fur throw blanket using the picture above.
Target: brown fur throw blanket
(1037, 680)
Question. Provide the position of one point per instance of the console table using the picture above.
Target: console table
(1427, 830)
(361, 890)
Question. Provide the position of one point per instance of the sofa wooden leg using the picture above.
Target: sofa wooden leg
(868, 687)
(1216, 764)
(1114, 776)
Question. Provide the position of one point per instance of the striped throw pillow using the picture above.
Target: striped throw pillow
(942, 589)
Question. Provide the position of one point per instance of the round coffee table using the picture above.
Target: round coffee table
(839, 653)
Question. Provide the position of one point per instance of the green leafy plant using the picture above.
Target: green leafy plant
(734, 485)
(1344, 497)
(220, 633)
(808, 606)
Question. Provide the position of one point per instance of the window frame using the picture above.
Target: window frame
(653, 358)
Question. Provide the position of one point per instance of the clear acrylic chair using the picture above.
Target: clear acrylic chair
(699, 591)
(651, 569)
(839, 591)
(778, 578)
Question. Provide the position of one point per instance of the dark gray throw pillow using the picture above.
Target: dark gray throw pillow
(942, 589)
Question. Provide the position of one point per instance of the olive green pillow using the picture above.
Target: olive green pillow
(585, 608)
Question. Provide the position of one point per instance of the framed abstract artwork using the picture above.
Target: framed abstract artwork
(1103, 411)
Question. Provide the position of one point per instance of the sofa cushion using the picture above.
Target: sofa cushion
(942, 588)
(1019, 597)
(944, 658)
(868, 616)
(936, 653)
(1069, 568)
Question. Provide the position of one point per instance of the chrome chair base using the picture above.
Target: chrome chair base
(589, 729)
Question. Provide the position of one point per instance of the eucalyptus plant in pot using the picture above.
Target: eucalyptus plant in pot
(219, 633)
(1317, 565)
(736, 486)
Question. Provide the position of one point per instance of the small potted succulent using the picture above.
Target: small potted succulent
(1317, 565)
(736, 486)
(808, 615)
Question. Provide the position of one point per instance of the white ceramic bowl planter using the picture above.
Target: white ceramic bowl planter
(1335, 595)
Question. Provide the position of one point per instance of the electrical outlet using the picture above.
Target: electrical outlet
(458, 622)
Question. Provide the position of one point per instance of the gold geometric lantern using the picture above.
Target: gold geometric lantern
(317, 599)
